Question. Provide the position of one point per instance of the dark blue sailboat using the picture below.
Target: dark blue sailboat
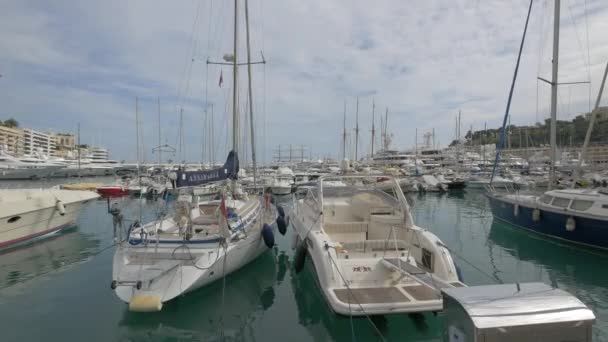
(578, 216)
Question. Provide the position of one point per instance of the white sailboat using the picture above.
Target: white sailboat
(369, 256)
(203, 241)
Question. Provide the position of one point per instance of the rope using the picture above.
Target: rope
(494, 279)
(350, 293)
(223, 292)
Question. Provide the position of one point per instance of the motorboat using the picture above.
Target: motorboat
(369, 256)
(113, 190)
(26, 214)
(574, 215)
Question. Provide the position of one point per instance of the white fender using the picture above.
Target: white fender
(570, 224)
(536, 215)
(516, 209)
(60, 207)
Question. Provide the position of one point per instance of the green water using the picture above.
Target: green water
(59, 289)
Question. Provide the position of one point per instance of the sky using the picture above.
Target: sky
(65, 63)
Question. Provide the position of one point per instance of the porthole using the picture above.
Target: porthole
(14, 219)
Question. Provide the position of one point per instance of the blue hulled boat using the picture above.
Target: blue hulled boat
(578, 216)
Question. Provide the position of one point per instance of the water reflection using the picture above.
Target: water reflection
(324, 325)
(54, 253)
(197, 316)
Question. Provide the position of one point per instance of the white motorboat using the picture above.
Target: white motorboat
(33, 213)
(280, 186)
(195, 247)
(369, 256)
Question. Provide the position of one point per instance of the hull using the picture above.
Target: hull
(112, 191)
(33, 173)
(281, 190)
(170, 268)
(37, 224)
(588, 231)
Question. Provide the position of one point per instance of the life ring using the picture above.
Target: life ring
(536, 215)
(570, 224)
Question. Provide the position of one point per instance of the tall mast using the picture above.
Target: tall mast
(554, 80)
(344, 134)
(386, 130)
(235, 74)
(251, 123)
(160, 159)
(137, 129)
(181, 136)
(212, 142)
(357, 131)
(373, 125)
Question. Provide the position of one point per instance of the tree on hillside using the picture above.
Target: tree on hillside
(11, 123)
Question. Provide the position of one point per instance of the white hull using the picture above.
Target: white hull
(368, 256)
(36, 217)
(281, 190)
(27, 173)
(167, 270)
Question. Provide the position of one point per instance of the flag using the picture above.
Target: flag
(221, 79)
(223, 207)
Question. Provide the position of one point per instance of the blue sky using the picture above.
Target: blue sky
(65, 62)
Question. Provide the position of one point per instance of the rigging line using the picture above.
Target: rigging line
(355, 298)
(189, 63)
(588, 52)
(578, 39)
(504, 123)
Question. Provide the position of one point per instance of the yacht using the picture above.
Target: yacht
(575, 215)
(26, 214)
(369, 256)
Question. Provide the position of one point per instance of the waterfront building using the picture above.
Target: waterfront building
(11, 140)
(65, 145)
(36, 141)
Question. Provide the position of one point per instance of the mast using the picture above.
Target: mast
(591, 122)
(137, 129)
(344, 134)
(251, 124)
(79, 149)
(160, 159)
(235, 110)
(357, 131)
(181, 135)
(386, 130)
(554, 80)
(373, 125)
(212, 144)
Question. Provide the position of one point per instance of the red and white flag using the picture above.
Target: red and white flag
(223, 207)
(221, 82)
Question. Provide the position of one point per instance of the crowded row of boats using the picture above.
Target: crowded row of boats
(350, 221)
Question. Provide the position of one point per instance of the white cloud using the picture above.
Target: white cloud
(86, 61)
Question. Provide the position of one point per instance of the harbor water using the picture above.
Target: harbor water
(58, 289)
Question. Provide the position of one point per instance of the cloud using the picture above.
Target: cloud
(66, 62)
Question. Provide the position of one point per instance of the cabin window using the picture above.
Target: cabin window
(14, 219)
(561, 202)
(581, 205)
(604, 206)
(546, 199)
(427, 259)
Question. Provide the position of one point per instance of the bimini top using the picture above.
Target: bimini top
(496, 306)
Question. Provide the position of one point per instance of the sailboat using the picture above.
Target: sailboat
(203, 241)
(574, 215)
